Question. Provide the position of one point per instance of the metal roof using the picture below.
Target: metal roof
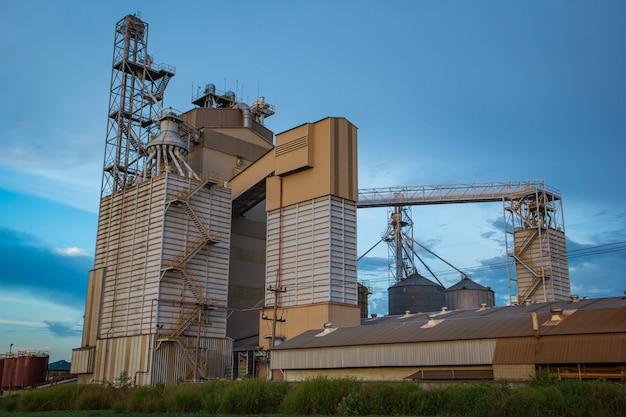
(593, 316)
(467, 284)
(416, 279)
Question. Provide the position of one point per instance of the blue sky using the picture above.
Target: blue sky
(441, 91)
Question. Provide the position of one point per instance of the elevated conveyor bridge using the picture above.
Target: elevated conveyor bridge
(537, 263)
(478, 192)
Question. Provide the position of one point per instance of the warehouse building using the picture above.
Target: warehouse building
(575, 339)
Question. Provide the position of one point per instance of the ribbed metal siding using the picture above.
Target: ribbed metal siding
(170, 366)
(565, 349)
(82, 360)
(317, 252)
(462, 352)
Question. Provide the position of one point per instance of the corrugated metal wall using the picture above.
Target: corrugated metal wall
(562, 349)
(155, 279)
(547, 254)
(318, 256)
(128, 245)
(462, 352)
(170, 365)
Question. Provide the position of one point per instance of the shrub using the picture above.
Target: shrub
(9, 403)
(317, 396)
(253, 396)
(59, 397)
(146, 399)
(212, 395)
(185, 398)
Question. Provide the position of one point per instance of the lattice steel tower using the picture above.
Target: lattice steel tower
(136, 101)
(536, 247)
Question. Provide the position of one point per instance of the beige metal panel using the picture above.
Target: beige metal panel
(130, 240)
(373, 374)
(82, 360)
(299, 319)
(464, 352)
(332, 142)
(546, 255)
(172, 365)
(207, 270)
(113, 357)
(92, 306)
(294, 150)
(224, 119)
(518, 372)
(317, 255)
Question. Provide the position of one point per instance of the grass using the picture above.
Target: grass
(322, 396)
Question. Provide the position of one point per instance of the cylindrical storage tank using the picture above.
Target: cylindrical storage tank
(8, 372)
(417, 295)
(31, 369)
(1, 368)
(467, 294)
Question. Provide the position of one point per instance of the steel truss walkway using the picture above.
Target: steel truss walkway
(478, 192)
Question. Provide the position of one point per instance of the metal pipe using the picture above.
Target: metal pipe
(247, 115)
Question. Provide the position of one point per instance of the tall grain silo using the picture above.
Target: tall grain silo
(415, 294)
(468, 294)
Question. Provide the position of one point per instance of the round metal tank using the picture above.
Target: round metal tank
(31, 369)
(467, 294)
(417, 295)
(1, 368)
(8, 372)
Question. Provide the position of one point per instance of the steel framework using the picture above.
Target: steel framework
(537, 266)
(136, 100)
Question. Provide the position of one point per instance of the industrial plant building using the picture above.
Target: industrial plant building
(222, 249)
(573, 339)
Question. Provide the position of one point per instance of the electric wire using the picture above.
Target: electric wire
(577, 253)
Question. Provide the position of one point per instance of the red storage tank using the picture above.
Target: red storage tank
(31, 369)
(1, 367)
(8, 372)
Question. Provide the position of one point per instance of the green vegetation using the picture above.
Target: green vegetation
(321, 396)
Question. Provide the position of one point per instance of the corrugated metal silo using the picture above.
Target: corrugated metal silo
(415, 294)
(467, 294)
(31, 369)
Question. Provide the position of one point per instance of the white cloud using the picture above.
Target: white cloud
(71, 251)
(23, 323)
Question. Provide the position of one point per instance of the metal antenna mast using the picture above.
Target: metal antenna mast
(136, 100)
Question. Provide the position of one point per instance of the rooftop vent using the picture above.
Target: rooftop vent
(279, 339)
(574, 298)
(444, 309)
(374, 315)
(432, 317)
(407, 313)
(557, 314)
(328, 328)
(483, 306)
